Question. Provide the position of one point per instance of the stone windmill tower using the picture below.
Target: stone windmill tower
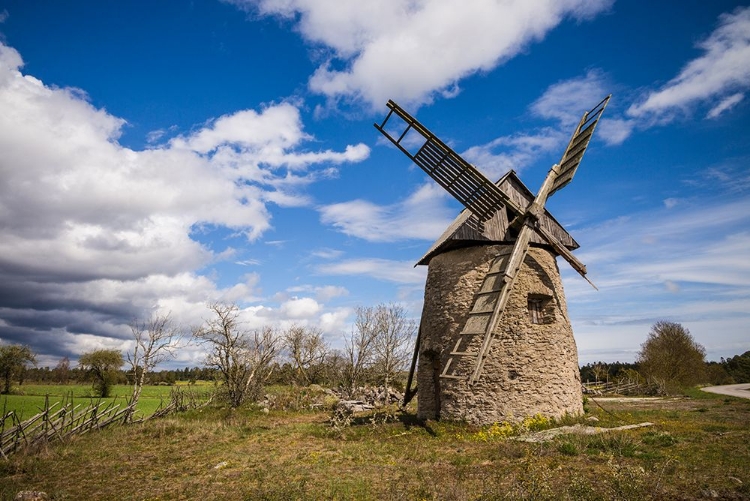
(495, 342)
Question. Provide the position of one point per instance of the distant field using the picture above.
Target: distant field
(27, 400)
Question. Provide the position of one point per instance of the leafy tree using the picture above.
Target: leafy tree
(671, 358)
(716, 373)
(13, 360)
(242, 358)
(738, 367)
(102, 367)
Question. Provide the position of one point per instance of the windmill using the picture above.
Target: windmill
(494, 342)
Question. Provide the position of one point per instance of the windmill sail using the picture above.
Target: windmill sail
(573, 154)
(448, 169)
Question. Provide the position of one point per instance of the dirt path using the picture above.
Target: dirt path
(733, 390)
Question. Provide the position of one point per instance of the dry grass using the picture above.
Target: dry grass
(699, 448)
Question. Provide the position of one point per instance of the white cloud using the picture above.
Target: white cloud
(563, 102)
(717, 75)
(514, 152)
(615, 130)
(413, 50)
(327, 253)
(296, 308)
(402, 272)
(669, 203)
(423, 215)
(567, 100)
(328, 292)
(335, 322)
(687, 263)
(725, 105)
(92, 227)
(322, 293)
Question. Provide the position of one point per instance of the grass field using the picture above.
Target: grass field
(29, 399)
(698, 448)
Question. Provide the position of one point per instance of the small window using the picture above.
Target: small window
(536, 310)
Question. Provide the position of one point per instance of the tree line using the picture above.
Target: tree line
(242, 361)
(671, 360)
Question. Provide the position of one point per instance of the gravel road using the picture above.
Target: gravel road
(733, 390)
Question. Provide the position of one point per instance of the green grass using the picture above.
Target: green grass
(217, 453)
(29, 399)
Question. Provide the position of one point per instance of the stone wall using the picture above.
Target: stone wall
(530, 369)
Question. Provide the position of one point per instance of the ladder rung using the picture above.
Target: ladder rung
(451, 376)
(484, 311)
(463, 354)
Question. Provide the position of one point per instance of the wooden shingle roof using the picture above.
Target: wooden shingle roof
(466, 231)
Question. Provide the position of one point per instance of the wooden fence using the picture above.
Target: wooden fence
(59, 421)
(618, 388)
(56, 422)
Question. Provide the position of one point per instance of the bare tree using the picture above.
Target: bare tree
(243, 358)
(359, 348)
(62, 370)
(600, 371)
(307, 349)
(393, 333)
(156, 341)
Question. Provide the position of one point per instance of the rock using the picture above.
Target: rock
(354, 406)
(31, 496)
(592, 419)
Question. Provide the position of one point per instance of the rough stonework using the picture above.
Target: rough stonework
(531, 368)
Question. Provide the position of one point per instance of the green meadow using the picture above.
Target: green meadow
(30, 399)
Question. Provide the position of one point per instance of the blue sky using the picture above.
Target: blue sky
(157, 156)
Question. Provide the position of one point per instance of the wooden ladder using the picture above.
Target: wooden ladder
(488, 305)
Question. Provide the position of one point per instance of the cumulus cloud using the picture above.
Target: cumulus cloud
(95, 233)
(414, 50)
(303, 307)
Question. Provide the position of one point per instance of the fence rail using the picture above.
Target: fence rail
(57, 422)
(618, 388)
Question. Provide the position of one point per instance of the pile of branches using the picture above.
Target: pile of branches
(378, 401)
(181, 400)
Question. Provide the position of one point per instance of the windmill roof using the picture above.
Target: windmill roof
(466, 230)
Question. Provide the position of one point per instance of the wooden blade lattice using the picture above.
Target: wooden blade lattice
(573, 154)
(448, 169)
